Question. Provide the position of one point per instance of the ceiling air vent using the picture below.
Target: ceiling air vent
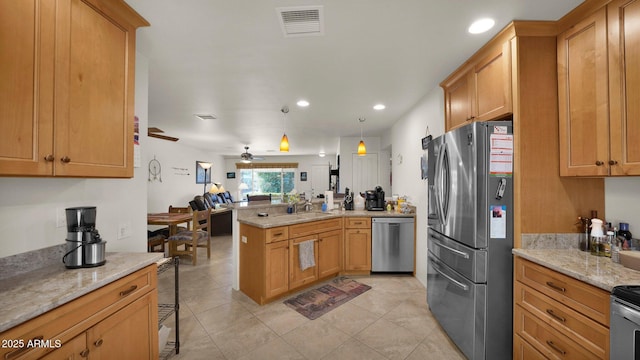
(301, 20)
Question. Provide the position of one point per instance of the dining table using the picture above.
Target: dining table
(171, 220)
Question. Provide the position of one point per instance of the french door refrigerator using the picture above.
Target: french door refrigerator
(470, 237)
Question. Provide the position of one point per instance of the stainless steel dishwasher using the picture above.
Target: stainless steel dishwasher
(392, 247)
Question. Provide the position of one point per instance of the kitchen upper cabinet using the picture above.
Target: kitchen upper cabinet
(599, 84)
(583, 97)
(624, 86)
(83, 51)
(481, 90)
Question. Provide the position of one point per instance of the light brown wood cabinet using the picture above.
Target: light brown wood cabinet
(599, 84)
(557, 315)
(116, 321)
(269, 258)
(68, 88)
(481, 89)
(357, 245)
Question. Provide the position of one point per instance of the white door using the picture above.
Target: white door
(364, 172)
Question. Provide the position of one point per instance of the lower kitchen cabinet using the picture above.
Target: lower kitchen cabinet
(276, 268)
(116, 321)
(297, 276)
(557, 315)
(357, 245)
(330, 253)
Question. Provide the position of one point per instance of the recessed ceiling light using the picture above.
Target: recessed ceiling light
(303, 103)
(321, 154)
(379, 107)
(480, 26)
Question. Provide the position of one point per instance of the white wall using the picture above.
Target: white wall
(28, 205)
(348, 147)
(622, 202)
(178, 163)
(406, 136)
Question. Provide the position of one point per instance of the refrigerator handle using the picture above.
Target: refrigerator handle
(438, 186)
(454, 281)
(445, 179)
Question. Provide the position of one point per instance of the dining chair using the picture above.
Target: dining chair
(181, 210)
(192, 239)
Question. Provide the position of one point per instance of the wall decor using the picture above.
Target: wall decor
(231, 175)
(155, 170)
(201, 173)
(303, 176)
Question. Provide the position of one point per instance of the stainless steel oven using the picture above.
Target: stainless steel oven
(625, 323)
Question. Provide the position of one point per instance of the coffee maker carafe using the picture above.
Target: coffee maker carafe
(84, 248)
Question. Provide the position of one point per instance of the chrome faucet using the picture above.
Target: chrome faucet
(308, 206)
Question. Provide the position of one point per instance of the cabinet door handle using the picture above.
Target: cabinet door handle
(49, 157)
(613, 162)
(555, 347)
(278, 234)
(557, 317)
(129, 290)
(84, 353)
(65, 159)
(98, 342)
(555, 287)
(599, 163)
(18, 351)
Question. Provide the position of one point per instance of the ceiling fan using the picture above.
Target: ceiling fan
(156, 133)
(247, 157)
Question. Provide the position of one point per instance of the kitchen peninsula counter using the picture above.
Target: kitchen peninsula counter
(26, 296)
(595, 270)
(279, 219)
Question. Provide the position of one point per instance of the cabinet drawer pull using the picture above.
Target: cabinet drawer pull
(555, 287)
(49, 157)
(18, 351)
(358, 223)
(129, 290)
(84, 353)
(98, 342)
(556, 348)
(599, 163)
(613, 162)
(65, 159)
(277, 234)
(557, 317)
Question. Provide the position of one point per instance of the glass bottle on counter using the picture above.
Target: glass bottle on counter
(607, 244)
(615, 249)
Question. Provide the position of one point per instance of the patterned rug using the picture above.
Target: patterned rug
(319, 301)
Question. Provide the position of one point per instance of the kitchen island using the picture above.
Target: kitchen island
(268, 247)
(73, 311)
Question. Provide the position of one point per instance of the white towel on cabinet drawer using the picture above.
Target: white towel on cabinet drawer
(306, 255)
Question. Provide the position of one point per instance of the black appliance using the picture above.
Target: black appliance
(374, 199)
(348, 199)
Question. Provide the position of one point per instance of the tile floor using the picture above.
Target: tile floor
(390, 321)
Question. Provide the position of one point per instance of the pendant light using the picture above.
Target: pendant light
(284, 143)
(362, 150)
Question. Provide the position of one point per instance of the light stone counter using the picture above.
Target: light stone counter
(28, 295)
(283, 219)
(594, 270)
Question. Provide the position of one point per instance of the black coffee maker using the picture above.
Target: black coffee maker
(374, 199)
(348, 199)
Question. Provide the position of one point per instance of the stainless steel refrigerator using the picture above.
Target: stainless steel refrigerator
(470, 237)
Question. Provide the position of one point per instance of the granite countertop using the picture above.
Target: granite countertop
(28, 295)
(279, 219)
(581, 265)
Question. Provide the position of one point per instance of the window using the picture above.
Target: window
(275, 179)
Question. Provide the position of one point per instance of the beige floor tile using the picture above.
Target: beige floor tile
(349, 318)
(190, 328)
(436, 346)
(354, 350)
(208, 299)
(315, 339)
(275, 349)
(198, 348)
(280, 318)
(243, 337)
(392, 341)
(412, 316)
(222, 317)
(378, 301)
